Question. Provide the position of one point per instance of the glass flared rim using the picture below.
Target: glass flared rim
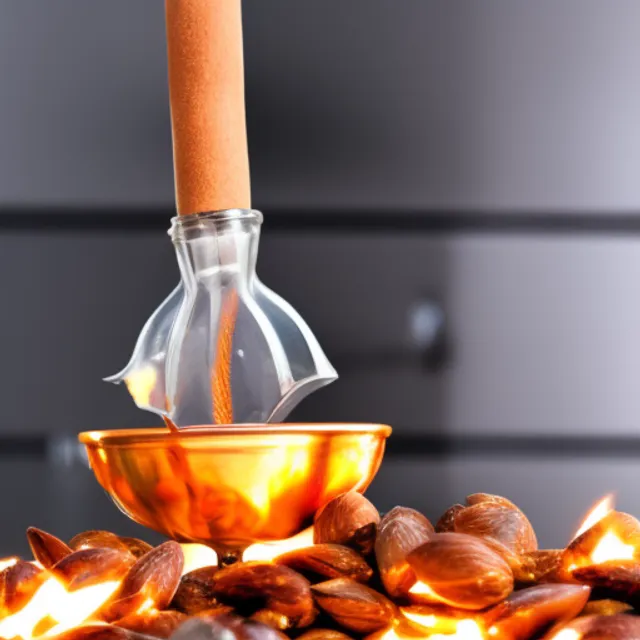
(125, 437)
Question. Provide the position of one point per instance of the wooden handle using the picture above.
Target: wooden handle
(206, 90)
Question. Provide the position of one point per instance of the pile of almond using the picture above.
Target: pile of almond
(477, 574)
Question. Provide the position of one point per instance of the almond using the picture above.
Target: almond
(578, 552)
(508, 525)
(272, 619)
(484, 498)
(530, 611)
(445, 524)
(462, 571)
(158, 624)
(95, 631)
(616, 627)
(46, 548)
(328, 561)
(107, 540)
(349, 519)
(136, 547)
(227, 627)
(400, 531)
(354, 606)
(96, 539)
(605, 608)
(272, 586)
(538, 565)
(195, 592)
(153, 577)
(18, 583)
(323, 634)
(91, 566)
(619, 579)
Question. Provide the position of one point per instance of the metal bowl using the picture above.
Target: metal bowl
(232, 486)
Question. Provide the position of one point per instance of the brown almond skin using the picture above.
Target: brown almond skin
(577, 553)
(328, 561)
(195, 592)
(46, 548)
(158, 624)
(508, 525)
(605, 608)
(354, 606)
(619, 579)
(272, 619)
(536, 566)
(445, 524)
(349, 519)
(96, 539)
(400, 531)
(462, 570)
(489, 498)
(107, 540)
(616, 627)
(136, 547)
(279, 588)
(87, 567)
(18, 583)
(530, 611)
(155, 576)
(324, 634)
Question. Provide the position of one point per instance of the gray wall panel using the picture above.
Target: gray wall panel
(369, 103)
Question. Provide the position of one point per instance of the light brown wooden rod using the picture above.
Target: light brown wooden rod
(206, 91)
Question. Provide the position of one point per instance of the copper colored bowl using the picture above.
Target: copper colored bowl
(231, 486)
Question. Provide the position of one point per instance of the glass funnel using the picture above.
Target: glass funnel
(223, 348)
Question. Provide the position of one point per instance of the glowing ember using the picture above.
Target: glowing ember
(53, 601)
(197, 556)
(611, 548)
(599, 511)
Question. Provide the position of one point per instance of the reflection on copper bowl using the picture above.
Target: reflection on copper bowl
(231, 486)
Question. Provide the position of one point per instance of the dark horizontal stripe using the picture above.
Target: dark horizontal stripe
(404, 445)
(334, 220)
(428, 445)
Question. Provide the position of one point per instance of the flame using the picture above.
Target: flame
(463, 630)
(198, 556)
(52, 601)
(270, 550)
(599, 511)
(611, 548)
(5, 563)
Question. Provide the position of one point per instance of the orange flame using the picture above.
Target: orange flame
(599, 511)
(198, 556)
(52, 601)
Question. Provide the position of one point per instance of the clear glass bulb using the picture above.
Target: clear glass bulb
(223, 348)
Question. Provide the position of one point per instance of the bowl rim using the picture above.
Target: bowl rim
(119, 437)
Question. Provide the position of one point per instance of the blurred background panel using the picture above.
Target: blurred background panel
(451, 201)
